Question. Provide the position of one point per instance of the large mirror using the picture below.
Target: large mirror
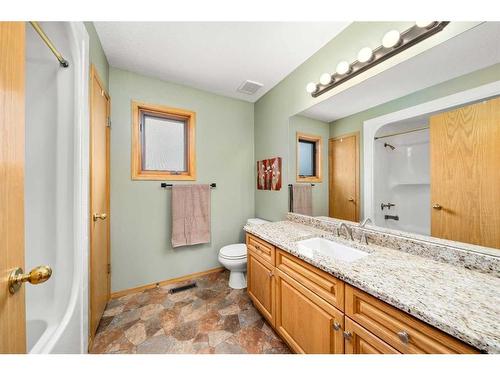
(417, 153)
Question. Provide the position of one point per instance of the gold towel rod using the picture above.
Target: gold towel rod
(400, 133)
(62, 61)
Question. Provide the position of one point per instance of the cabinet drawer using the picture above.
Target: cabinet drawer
(359, 341)
(261, 249)
(324, 285)
(398, 329)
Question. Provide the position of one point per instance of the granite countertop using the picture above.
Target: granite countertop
(460, 302)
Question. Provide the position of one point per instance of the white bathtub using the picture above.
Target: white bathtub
(56, 188)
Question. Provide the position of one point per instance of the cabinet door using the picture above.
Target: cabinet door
(465, 174)
(307, 322)
(260, 283)
(360, 341)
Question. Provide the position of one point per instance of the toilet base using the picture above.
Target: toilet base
(237, 280)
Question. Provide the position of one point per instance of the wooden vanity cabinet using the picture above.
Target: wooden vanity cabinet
(306, 307)
(305, 321)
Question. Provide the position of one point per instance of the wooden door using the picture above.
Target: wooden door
(344, 177)
(465, 174)
(360, 341)
(99, 201)
(260, 283)
(12, 75)
(307, 322)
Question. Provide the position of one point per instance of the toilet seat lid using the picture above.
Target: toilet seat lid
(234, 251)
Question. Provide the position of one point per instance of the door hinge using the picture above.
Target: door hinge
(109, 268)
(108, 122)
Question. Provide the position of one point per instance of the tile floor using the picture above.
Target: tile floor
(211, 318)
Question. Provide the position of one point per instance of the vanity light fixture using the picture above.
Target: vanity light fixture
(393, 43)
(311, 87)
(391, 39)
(343, 67)
(425, 24)
(325, 79)
(365, 55)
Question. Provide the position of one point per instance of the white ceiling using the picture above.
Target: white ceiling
(471, 50)
(215, 56)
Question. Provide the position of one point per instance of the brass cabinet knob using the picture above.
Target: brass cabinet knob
(436, 206)
(37, 275)
(347, 335)
(404, 337)
(336, 326)
(99, 216)
(351, 199)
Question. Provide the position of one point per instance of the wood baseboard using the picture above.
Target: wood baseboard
(141, 288)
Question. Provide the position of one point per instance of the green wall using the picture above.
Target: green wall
(355, 122)
(288, 98)
(140, 210)
(96, 54)
(319, 128)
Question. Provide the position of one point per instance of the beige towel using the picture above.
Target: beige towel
(190, 214)
(302, 199)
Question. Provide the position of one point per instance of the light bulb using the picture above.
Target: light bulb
(325, 79)
(311, 87)
(425, 24)
(365, 55)
(391, 39)
(343, 67)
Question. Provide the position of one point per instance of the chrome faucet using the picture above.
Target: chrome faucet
(363, 238)
(347, 230)
(364, 222)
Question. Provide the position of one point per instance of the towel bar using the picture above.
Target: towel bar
(164, 185)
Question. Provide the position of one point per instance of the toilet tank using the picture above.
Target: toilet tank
(256, 221)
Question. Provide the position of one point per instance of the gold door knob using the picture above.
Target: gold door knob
(436, 206)
(351, 199)
(37, 275)
(99, 216)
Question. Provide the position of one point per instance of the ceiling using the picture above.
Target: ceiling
(471, 50)
(215, 56)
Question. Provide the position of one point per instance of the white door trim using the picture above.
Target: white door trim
(371, 126)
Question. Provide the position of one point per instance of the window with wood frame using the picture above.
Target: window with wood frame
(163, 143)
(308, 158)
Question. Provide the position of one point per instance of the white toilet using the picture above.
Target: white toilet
(234, 258)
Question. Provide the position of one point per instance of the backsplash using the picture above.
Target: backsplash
(456, 253)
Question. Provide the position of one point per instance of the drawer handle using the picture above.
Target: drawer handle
(336, 326)
(347, 335)
(257, 247)
(404, 337)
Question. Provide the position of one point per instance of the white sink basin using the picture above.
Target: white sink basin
(331, 249)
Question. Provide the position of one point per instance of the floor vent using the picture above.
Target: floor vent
(182, 288)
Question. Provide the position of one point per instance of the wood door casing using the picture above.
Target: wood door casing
(343, 155)
(12, 120)
(362, 341)
(261, 286)
(306, 321)
(99, 201)
(465, 174)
